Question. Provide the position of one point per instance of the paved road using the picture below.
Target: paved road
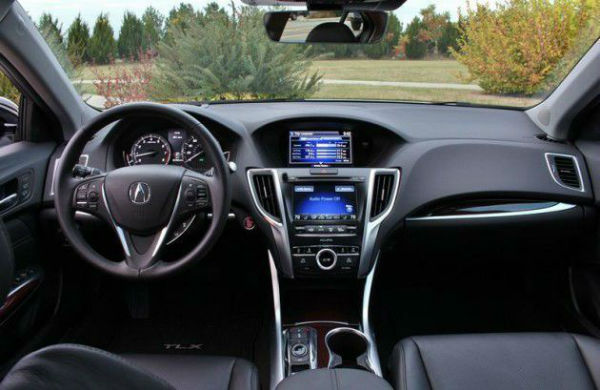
(406, 84)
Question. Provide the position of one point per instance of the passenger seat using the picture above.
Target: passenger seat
(508, 361)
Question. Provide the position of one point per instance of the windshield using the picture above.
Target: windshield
(503, 53)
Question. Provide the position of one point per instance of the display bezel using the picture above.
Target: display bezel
(326, 164)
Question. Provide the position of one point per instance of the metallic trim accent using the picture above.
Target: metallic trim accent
(325, 235)
(574, 158)
(8, 199)
(552, 209)
(125, 243)
(191, 221)
(279, 228)
(355, 332)
(56, 163)
(321, 265)
(366, 324)
(372, 226)
(277, 360)
(302, 323)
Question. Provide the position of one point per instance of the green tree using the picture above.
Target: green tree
(102, 43)
(153, 28)
(180, 18)
(449, 39)
(230, 58)
(50, 27)
(131, 37)
(415, 47)
(78, 37)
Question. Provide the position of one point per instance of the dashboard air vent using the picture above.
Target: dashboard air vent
(565, 170)
(382, 192)
(264, 186)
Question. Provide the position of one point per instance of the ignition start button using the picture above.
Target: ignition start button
(326, 259)
(299, 350)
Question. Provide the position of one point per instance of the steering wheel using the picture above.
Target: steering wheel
(142, 202)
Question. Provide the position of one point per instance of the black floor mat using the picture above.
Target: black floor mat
(213, 311)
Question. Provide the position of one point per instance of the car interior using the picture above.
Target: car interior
(295, 244)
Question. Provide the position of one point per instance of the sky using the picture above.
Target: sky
(67, 10)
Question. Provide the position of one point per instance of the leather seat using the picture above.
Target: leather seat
(71, 366)
(497, 362)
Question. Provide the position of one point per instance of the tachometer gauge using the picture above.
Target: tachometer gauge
(193, 154)
(150, 149)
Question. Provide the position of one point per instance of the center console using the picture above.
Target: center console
(323, 215)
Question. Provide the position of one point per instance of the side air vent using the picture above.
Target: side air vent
(264, 186)
(565, 170)
(382, 193)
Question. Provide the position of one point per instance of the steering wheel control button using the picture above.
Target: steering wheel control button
(87, 195)
(195, 194)
(326, 259)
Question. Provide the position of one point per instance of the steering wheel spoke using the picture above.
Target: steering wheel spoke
(88, 196)
(141, 251)
(196, 193)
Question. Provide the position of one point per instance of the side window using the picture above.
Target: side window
(9, 110)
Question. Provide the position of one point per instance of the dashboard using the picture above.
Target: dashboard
(344, 176)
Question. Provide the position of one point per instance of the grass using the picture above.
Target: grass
(430, 71)
(418, 94)
(433, 71)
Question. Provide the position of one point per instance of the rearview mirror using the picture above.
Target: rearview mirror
(326, 26)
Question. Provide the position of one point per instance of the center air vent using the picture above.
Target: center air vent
(264, 187)
(565, 170)
(382, 193)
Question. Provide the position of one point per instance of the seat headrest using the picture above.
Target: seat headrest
(331, 32)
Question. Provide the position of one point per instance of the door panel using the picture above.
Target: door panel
(23, 167)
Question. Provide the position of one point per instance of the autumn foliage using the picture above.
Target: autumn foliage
(119, 83)
(515, 46)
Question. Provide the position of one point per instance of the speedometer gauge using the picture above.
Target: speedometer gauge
(193, 154)
(150, 149)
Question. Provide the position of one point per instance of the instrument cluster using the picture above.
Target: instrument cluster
(171, 146)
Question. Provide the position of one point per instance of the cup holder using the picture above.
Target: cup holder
(348, 348)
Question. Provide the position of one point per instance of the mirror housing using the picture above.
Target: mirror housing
(326, 26)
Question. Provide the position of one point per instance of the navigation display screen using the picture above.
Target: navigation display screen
(316, 202)
(320, 148)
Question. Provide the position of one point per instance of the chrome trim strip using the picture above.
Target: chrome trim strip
(8, 199)
(372, 226)
(558, 207)
(574, 158)
(185, 229)
(366, 324)
(278, 228)
(341, 323)
(355, 332)
(277, 360)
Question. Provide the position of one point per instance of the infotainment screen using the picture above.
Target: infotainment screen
(316, 202)
(320, 148)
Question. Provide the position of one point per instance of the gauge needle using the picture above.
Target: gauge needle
(194, 156)
(145, 154)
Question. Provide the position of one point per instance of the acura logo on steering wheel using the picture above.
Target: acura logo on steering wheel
(139, 193)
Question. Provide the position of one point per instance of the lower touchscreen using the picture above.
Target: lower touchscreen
(324, 202)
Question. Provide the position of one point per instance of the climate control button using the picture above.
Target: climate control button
(326, 259)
